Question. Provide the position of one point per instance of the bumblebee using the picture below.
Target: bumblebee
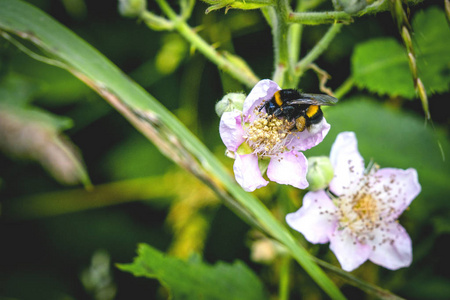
(303, 110)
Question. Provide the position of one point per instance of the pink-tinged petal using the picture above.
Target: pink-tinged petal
(348, 164)
(349, 252)
(289, 168)
(392, 247)
(247, 172)
(316, 219)
(262, 91)
(395, 188)
(231, 131)
(301, 141)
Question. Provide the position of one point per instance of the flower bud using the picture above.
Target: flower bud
(320, 172)
(132, 8)
(230, 102)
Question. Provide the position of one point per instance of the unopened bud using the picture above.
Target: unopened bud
(132, 8)
(230, 102)
(320, 172)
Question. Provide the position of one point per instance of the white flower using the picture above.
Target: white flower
(252, 135)
(361, 221)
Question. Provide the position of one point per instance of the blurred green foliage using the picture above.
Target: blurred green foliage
(50, 234)
(194, 279)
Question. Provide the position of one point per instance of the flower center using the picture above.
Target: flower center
(267, 135)
(361, 212)
(366, 208)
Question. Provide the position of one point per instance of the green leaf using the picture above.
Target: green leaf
(381, 65)
(194, 279)
(432, 44)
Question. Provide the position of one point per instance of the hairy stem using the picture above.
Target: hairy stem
(283, 68)
(317, 18)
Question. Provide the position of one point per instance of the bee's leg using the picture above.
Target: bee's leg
(300, 123)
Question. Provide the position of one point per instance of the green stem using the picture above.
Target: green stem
(318, 49)
(239, 72)
(295, 34)
(295, 38)
(317, 18)
(280, 40)
(285, 269)
(155, 22)
(344, 88)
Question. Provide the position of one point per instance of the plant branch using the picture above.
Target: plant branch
(318, 49)
(280, 28)
(318, 18)
(295, 38)
(240, 72)
(344, 88)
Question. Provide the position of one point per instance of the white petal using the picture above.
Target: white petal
(348, 164)
(392, 247)
(230, 130)
(307, 139)
(247, 172)
(315, 219)
(262, 91)
(349, 252)
(395, 188)
(289, 168)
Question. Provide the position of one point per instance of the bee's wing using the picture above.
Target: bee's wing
(314, 99)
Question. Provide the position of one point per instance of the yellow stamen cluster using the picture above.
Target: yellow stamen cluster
(366, 208)
(267, 134)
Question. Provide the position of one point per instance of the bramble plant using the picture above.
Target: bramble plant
(294, 184)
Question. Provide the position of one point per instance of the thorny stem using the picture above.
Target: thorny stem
(241, 73)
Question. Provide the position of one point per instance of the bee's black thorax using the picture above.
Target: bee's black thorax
(305, 114)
